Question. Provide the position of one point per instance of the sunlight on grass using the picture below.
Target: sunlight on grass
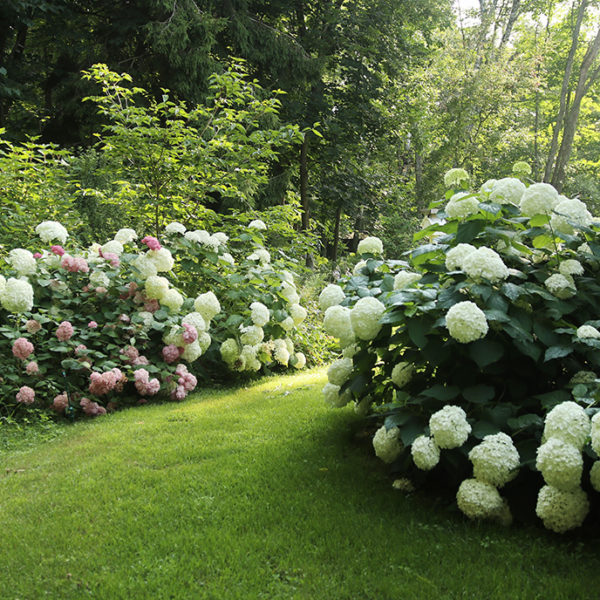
(256, 492)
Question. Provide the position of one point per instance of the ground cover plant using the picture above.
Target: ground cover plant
(88, 330)
(255, 492)
(480, 350)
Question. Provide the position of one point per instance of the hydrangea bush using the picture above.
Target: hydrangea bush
(85, 331)
(479, 351)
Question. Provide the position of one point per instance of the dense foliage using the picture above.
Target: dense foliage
(481, 349)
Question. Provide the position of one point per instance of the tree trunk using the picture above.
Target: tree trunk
(562, 109)
(336, 232)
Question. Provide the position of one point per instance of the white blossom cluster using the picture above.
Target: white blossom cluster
(337, 323)
(480, 500)
(425, 453)
(125, 235)
(456, 256)
(570, 211)
(50, 231)
(561, 464)
(257, 224)
(365, 316)
(22, 261)
(562, 510)
(570, 267)
(259, 314)
(113, 246)
(508, 190)
(339, 371)
(484, 263)
(495, 460)
(455, 177)
(402, 373)
(538, 198)
(462, 205)
(162, 259)
(207, 305)
(568, 422)
(370, 245)
(403, 279)
(331, 295)
(587, 331)
(175, 227)
(449, 427)
(595, 433)
(332, 396)
(466, 322)
(561, 286)
(17, 296)
(387, 444)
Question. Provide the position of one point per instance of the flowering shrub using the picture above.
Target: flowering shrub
(85, 331)
(480, 350)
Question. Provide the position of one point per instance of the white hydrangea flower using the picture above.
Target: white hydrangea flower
(125, 235)
(338, 324)
(508, 190)
(495, 460)
(485, 263)
(358, 267)
(52, 230)
(259, 314)
(287, 324)
(162, 259)
(289, 345)
(455, 177)
(584, 249)
(17, 296)
(147, 319)
(113, 246)
(466, 322)
(331, 295)
(298, 313)
(568, 422)
(200, 236)
(99, 279)
(539, 198)
(462, 205)
(281, 353)
(207, 305)
(196, 320)
(156, 287)
(173, 299)
(405, 278)
(175, 227)
(251, 335)
(370, 245)
(204, 340)
(230, 351)
(349, 351)
(257, 224)
(595, 433)
(299, 360)
(248, 356)
(561, 464)
(562, 510)
(174, 336)
(570, 267)
(227, 258)
(402, 373)
(2, 284)
(333, 397)
(192, 352)
(365, 316)
(288, 291)
(425, 453)
(487, 186)
(261, 255)
(595, 475)
(573, 210)
(339, 371)
(220, 237)
(145, 266)
(587, 331)
(449, 427)
(387, 444)
(22, 261)
(560, 286)
(479, 500)
(456, 256)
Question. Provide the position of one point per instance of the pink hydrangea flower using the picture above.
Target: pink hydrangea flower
(130, 352)
(93, 409)
(112, 258)
(64, 331)
(92, 324)
(151, 305)
(170, 353)
(60, 402)
(22, 348)
(101, 290)
(186, 382)
(190, 334)
(124, 318)
(58, 250)
(32, 326)
(151, 242)
(32, 368)
(103, 383)
(141, 360)
(37, 255)
(144, 385)
(26, 395)
(75, 264)
(80, 348)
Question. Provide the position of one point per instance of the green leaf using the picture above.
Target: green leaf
(543, 241)
(485, 352)
(441, 392)
(468, 231)
(409, 432)
(417, 328)
(524, 421)
(539, 220)
(483, 428)
(550, 399)
(557, 352)
(479, 394)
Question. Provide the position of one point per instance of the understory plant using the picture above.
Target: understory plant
(479, 350)
(88, 330)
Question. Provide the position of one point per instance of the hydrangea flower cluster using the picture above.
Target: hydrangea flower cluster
(387, 444)
(370, 245)
(466, 322)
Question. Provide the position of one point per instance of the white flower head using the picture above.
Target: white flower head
(595, 475)
(261, 255)
(456, 256)
(162, 259)
(22, 261)
(338, 324)
(288, 291)
(172, 299)
(257, 224)
(562, 510)
(569, 423)
(588, 332)
(99, 279)
(52, 230)
(358, 267)
(449, 427)
(484, 263)
(495, 460)
(561, 286)
(230, 351)
(125, 235)
(200, 236)
(387, 444)
(333, 397)
(539, 198)
(466, 322)
(144, 266)
(595, 433)
(156, 287)
(339, 371)
(370, 245)
(298, 313)
(462, 205)
(487, 186)
(175, 227)
(561, 464)
(251, 335)
(425, 453)
(259, 314)
(574, 211)
(455, 178)
(299, 361)
(508, 190)
(479, 500)
(403, 279)
(570, 267)
(331, 295)
(113, 246)
(207, 305)
(17, 296)
(365, 316)
(402, 373)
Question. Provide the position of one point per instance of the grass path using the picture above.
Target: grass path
(257, 492)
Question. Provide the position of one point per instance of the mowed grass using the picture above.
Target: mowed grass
(257, 492)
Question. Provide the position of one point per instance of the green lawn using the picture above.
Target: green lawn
(257, 492)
